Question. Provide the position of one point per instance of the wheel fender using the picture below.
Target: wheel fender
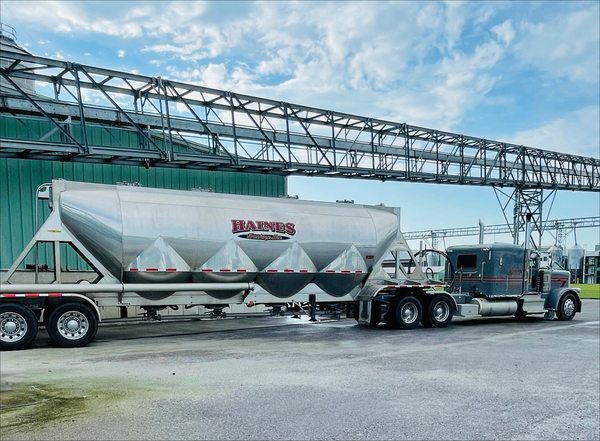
(86, 301)
(431, 294)
(80, 298)
(555, 295)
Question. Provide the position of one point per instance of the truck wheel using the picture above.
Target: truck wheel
(72, 325)
(567, 308)
(405, 313)
(18, 326)
(438, 313)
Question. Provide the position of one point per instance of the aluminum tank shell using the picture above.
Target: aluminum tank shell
(118, 224)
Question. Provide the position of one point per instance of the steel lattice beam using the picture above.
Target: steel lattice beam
(252, 134)
(549, 225)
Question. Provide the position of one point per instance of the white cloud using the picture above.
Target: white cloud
(566, 46)
(577, 133)
(121, 53)
(59, 56)
(505, 32)
(406, 61)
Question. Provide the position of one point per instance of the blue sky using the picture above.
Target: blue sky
(522, 72)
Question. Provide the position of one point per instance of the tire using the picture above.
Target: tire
(375, 313)
(405, 313)
(438, 312)
(18, 326)
(72, 325)
(567, 307)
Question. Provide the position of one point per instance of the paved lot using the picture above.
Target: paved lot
(280, 378)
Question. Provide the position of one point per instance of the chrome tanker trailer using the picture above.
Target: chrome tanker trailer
(159, 249)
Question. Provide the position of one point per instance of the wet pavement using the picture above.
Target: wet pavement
(283, 378)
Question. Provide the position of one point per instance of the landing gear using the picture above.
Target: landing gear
(18, 326)
(72, 325)
(438, 313)
(216, 311)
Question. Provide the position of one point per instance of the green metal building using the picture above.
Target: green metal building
(20, 178)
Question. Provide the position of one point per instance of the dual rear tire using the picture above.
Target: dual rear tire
(18, 326)
(69, 325)
(407, 312)
(72, 325)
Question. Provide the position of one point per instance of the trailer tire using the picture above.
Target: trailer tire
(18, 326)
(567, 307)
(72, 325)
(405, 313)
(438, 312)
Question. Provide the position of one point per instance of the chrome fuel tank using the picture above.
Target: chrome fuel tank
(154, 235)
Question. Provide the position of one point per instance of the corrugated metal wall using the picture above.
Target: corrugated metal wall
(19, 179)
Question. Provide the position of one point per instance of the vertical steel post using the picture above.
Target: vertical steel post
(170, 153)
(235, 141)
(81, 115)
(312, 298)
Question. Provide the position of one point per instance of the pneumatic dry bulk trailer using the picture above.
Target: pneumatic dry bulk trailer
(159, 249)
(144, 235)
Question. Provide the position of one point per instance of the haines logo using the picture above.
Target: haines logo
(250, 227)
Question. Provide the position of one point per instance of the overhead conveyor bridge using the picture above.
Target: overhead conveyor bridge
(204, 128)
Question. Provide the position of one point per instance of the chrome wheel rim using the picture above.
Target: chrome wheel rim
(409, 313)
(441, 311)
(72, 325)
(569, 307)
(13, 327)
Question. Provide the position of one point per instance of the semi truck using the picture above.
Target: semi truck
(158, 248)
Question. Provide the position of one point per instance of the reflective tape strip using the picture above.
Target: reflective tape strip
(358, 272)
(330, 271)
(241, 270)
(345, 271)
(271, 270)
(206, 270)
(31, 294)
(224, 270)
(153, 269)
(303, 271)
(288, 270)
(415, 286)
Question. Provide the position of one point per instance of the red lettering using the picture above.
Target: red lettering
(279, 227)
(237, 226)
(241, 226)
(290, 228)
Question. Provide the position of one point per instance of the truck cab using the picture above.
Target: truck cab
(506, 279)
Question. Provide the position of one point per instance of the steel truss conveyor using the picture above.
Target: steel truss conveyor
(548, 225)
(205, 128)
